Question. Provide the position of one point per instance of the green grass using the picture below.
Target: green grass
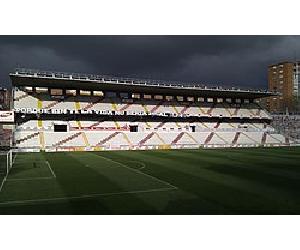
(227, 181)
(3, 166)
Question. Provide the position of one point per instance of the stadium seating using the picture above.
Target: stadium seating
(112, 136)
(149, 134)
(23, 99)
(288, 125)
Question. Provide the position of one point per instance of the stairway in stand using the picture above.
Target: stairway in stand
(157, 106)
(107, 138)
(92, 104)
(66, 139)
(178, 137)
(160, 125)
(210, 109)
(236, 111)
(27, 137)
(236, 137)
(184, 109)
(148, 137)
(217, 125)
(94, 125)
(126, 106)
(209, 137)
(52, 104)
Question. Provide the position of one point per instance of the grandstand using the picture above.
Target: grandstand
(73, 112)
(287, 124)
(6, 119)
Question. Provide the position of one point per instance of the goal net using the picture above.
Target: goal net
(6, 161)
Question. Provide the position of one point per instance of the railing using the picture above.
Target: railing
(271, 130)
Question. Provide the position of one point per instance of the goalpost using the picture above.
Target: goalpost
(6, 162)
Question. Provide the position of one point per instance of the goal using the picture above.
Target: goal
(6, 161)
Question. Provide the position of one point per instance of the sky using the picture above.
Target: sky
(239, 61)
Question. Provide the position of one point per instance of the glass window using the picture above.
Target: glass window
(180, 98)
(41, 90)
(158, 97)
(98, 93)
(28, 89)
(85, 92)
(148, 97)
(169, 98)
(56, 92)
(71, 92)
(136, 95)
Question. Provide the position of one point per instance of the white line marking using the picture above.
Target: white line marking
(87, 196)
(4, 179)
(2, 183)
(28, 162)
(30, 179)
(14, 159)
(137, 171)
(20, 165)
(51, 170)
(141, 163)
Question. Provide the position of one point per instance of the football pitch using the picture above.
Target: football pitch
(225, 181)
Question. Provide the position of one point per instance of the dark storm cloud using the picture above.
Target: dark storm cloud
(224, 60)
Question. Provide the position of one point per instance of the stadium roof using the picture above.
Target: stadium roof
(28, 77)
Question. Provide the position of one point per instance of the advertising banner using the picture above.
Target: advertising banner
(6, 116)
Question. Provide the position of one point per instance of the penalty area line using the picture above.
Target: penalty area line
(14, 159)
(51, 170)
(2, 183)
(31, 179)
(17, 202)
(5, 177)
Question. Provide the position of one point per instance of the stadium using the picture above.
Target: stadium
(97, 144)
